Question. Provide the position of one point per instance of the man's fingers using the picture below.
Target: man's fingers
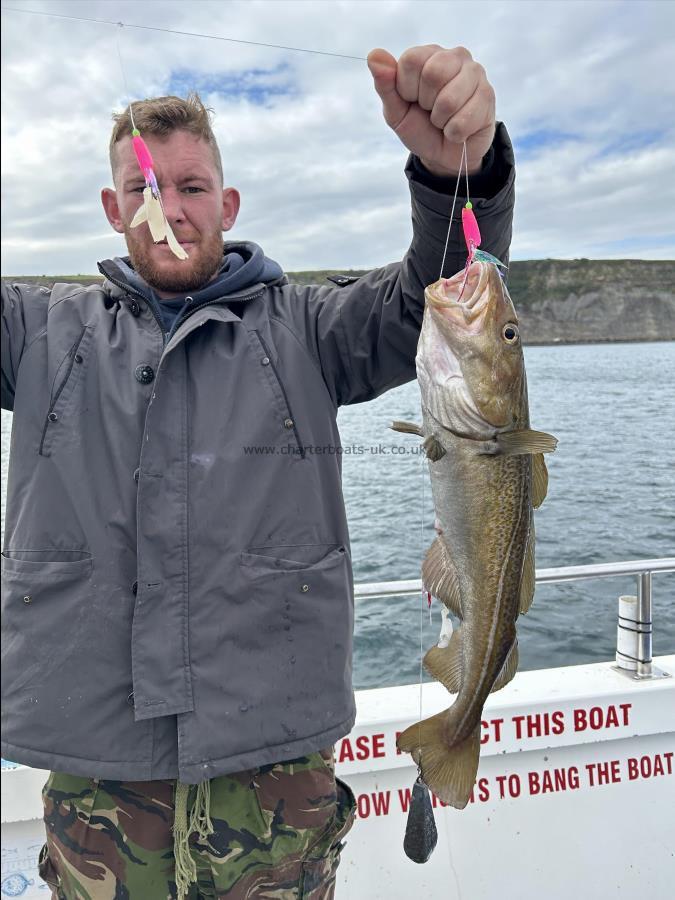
(409, 71)
(440, 69)
(383, 68)
(473, 118)
(455, 95)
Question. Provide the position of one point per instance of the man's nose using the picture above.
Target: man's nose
(172, 201)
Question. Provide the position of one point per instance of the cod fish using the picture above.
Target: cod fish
(487, 473)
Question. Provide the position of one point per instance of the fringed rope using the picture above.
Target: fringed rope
(200, 822)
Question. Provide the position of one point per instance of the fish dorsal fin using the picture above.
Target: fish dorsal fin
(539, 480)
(445, 663)
(514, 443)
(440, 578)
(406, 427)
(527, 582)
(509, 668)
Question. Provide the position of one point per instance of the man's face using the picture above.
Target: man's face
(196, 206)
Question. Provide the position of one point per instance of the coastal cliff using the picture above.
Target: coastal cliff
(558, 301)
(584, 300)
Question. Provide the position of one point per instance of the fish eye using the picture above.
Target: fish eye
(510, 333)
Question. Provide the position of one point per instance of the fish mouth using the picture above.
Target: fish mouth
(465, 298)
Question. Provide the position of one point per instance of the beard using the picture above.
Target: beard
(174, 275)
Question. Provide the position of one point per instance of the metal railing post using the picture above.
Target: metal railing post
(644, 619)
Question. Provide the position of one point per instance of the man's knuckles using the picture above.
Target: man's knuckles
(409, 70)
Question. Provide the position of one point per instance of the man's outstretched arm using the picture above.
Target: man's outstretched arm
(365, 334)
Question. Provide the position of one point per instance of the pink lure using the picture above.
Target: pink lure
(143, 155)
(471, 229)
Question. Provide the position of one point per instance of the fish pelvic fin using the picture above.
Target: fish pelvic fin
(445, 663)
(515, 443)
(440, 578)
(539, 480)
(508, 670)
(449, 771)
(433, 447)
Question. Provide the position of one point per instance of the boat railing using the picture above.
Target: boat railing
(634, 626)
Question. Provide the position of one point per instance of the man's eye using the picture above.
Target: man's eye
(192, 188)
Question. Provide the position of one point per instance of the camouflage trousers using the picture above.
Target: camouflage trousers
(278, 833)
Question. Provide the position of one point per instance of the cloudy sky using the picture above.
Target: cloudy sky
(585, 89)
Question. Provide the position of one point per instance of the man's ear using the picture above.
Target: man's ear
(111, 208)
(231, 201)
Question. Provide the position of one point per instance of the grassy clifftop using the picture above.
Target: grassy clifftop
(558, 301)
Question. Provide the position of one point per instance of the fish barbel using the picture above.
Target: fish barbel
(487, 473)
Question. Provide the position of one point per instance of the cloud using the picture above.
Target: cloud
(581, 87)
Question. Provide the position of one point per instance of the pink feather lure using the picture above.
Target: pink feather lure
(152, 210)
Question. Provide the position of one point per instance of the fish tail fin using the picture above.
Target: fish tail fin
(449, 771)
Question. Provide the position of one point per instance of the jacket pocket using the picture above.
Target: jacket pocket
(271, 374)
(293, 620)
(69, 374)
(42, 597)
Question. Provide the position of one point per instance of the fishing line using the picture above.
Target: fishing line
(124, 76)
(454, 201)
(422, 596)
(197, 34)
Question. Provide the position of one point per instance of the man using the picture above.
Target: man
(177, 606)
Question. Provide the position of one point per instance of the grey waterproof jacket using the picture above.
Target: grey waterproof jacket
(177, 588)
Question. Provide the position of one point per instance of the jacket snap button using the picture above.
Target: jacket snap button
(304, 588)
(134, 588)
(53, 417)
(78, 358)
(130, 699)
(27, 599)
(144, 374)
(265, 361)
(288, 423)
(135, 309)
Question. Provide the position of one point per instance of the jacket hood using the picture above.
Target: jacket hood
(244, 265)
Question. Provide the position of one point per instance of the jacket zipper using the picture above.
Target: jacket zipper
(71, 353)
(285, 395)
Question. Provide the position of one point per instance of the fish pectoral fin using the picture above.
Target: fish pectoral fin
(539, 480)
(447, 770)
(435, 450)
(406, 428)
(514, 443)
(445, 663)
(528, 580)
(508, 670)
(440, 578)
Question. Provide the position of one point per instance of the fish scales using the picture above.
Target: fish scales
(481, 453)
